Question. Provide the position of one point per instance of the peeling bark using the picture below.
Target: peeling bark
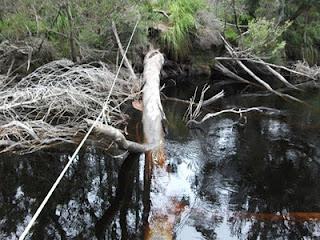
(153, 114)
(161, 210)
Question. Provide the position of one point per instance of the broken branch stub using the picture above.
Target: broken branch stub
(116, 135)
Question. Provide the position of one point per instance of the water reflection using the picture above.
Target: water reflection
(268, 173)
(258, 181)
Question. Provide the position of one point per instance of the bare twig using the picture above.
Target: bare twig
(232, 110)
(269, 64)
(193, 114)
(213, 99)
(23, 126)
(126, 61)
(161, 12)
(204, 104)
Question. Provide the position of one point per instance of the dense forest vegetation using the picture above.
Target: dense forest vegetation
(279, 31)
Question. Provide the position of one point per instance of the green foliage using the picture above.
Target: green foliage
(244, 19)
(17, 26)
(181, 22)
(269, 9)
(300, 40)
(91, 38)
(302, 37)
(231, 34)
(91, 22)
(252, 6)
(24, 18)
(264, 38)
(268, 33)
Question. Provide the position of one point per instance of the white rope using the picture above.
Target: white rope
(45, 200)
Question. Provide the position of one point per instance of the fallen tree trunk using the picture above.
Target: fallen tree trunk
(161, 210)
(153, 114)
(152, 127)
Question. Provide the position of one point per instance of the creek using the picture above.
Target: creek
(251, 178)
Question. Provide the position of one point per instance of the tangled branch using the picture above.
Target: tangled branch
(50, 104)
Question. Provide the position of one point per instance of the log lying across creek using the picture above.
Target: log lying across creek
(153, 114)
(158, 218)
(160, 210)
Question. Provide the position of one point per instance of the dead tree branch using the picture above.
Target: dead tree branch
(232, 110)
(50, 104)
(204, 104)
(254, 76)
(193, 114)
(295, 72)
(116, 135)
(126, 61)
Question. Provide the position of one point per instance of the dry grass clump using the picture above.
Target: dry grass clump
(313, 71)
